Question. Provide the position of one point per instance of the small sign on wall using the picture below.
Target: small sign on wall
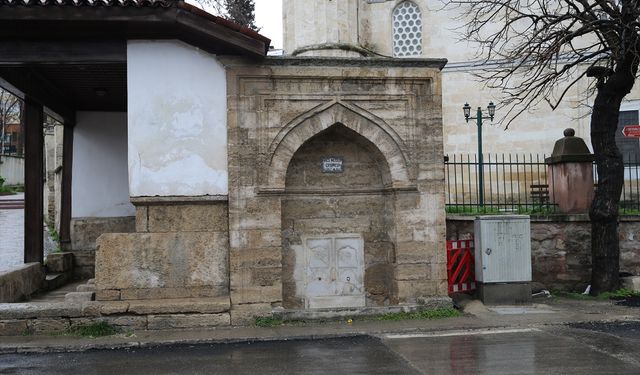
(332, 165)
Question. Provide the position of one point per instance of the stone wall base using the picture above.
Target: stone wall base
(20, 284)
(84, 233)
(180, 249)
(46, 318)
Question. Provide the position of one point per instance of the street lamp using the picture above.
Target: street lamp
(491, 109)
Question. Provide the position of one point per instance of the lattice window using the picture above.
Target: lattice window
(407, 30)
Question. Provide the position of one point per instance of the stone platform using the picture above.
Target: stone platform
(57, 317)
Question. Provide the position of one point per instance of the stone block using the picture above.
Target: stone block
(173, 293)
(414, 252)
(78, 298)
(13, 327)
(175, 306)
(416, 271)
(260, 257)
(21, 283)
(266, 276)
(631, 283)
(107, 295)
(30, 310)
(409, 290)
(91, 308)
(247, 314)
(186, 321)
(48, 326)
(256, 294)
(128, 322)
(84, 258)
(86, 288)
(188, 217)
(142, 219)
(60, 262)
(85, 231)
(162, 260)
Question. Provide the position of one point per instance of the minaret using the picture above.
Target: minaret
(321, 28)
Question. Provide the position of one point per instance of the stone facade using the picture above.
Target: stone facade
(382, 117)
(561, 248)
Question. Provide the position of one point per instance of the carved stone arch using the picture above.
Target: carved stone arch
(295, 134)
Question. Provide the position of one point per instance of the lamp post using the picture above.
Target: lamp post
(491, 109)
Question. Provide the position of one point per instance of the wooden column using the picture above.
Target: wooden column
(33, 181)
(65, 199)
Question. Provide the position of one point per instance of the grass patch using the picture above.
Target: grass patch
(99, 329)
(268, 321)
(3, 187)
(440, 313)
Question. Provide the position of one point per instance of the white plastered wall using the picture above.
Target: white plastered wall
(177, 107)
(100, 181)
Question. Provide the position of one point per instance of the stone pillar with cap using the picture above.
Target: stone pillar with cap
(570, 174)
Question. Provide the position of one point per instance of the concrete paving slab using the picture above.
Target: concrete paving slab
(514, 310)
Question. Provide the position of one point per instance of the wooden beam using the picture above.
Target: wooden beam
(65, 199)
(25, 52)
(30, 83)
(33, 181)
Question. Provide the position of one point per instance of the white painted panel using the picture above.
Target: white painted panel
(319, 267)
(350, 266)
(177, 120)
(100, 186)
(503, 249)
(335, 271)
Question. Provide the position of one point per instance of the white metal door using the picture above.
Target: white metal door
(335, 271)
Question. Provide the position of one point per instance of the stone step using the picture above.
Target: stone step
(55, 280)
(86, 288)
(78, 298)
(160, 306)
(346, 312)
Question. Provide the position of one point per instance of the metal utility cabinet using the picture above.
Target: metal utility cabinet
(503, 258)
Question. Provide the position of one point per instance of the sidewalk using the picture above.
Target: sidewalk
(555, 311)
(11, 235)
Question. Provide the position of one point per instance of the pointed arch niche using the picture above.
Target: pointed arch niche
(356, 205)
(305, 127)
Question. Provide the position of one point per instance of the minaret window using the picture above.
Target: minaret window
(407, 30)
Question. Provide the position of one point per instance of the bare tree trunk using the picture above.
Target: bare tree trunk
(605, 249)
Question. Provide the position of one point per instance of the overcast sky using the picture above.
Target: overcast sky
(268, 18)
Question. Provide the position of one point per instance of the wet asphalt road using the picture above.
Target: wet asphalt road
(588, 349)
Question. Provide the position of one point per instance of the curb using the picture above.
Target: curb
(74, 344)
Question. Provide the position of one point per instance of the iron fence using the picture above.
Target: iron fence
(518, 183)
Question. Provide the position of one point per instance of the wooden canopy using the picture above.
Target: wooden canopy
(71, 56)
